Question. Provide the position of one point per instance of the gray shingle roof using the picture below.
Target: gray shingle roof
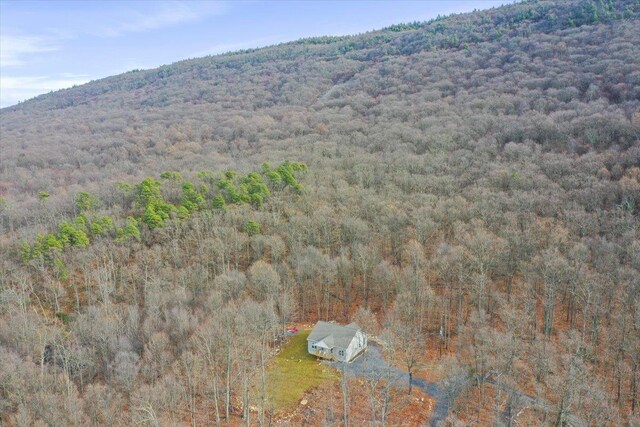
(327, 332)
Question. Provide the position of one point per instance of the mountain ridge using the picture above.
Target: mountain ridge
(535, 14)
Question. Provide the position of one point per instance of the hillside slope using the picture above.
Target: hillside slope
(469, 193)
(563, 75)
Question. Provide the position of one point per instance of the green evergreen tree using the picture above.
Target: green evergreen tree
(252, 228)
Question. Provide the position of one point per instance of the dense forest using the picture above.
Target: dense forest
(467, 189)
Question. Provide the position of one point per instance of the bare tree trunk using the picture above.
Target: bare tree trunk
(634, 388)
(345, 399)
(227, 400)
(365, 290)
(215, 398)
(561, 413)
(245, 395)
(386, 398)
(263, 397)
(496, 408)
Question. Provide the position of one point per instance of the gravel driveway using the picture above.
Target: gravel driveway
(372, 365)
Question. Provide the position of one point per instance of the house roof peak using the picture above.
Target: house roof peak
(340, 335)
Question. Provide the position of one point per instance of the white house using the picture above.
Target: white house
(336, 342)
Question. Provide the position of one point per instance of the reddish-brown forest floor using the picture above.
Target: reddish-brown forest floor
(324, 406)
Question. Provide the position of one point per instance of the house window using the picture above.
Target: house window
(341, 352)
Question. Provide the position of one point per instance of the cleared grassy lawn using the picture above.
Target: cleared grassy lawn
(294, 371)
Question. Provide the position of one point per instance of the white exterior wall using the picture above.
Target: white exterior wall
(311, 350)
(358, 342)
(321, 352)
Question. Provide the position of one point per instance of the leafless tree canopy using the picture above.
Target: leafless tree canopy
(471, 196)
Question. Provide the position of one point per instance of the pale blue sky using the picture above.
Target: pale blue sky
(49, 45)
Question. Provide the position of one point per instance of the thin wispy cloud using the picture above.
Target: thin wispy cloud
(17, 53)
(164, 15)
(20, 88)
(25, 47)
(15, 50)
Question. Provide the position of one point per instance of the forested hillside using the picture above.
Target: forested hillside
(466, 189)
